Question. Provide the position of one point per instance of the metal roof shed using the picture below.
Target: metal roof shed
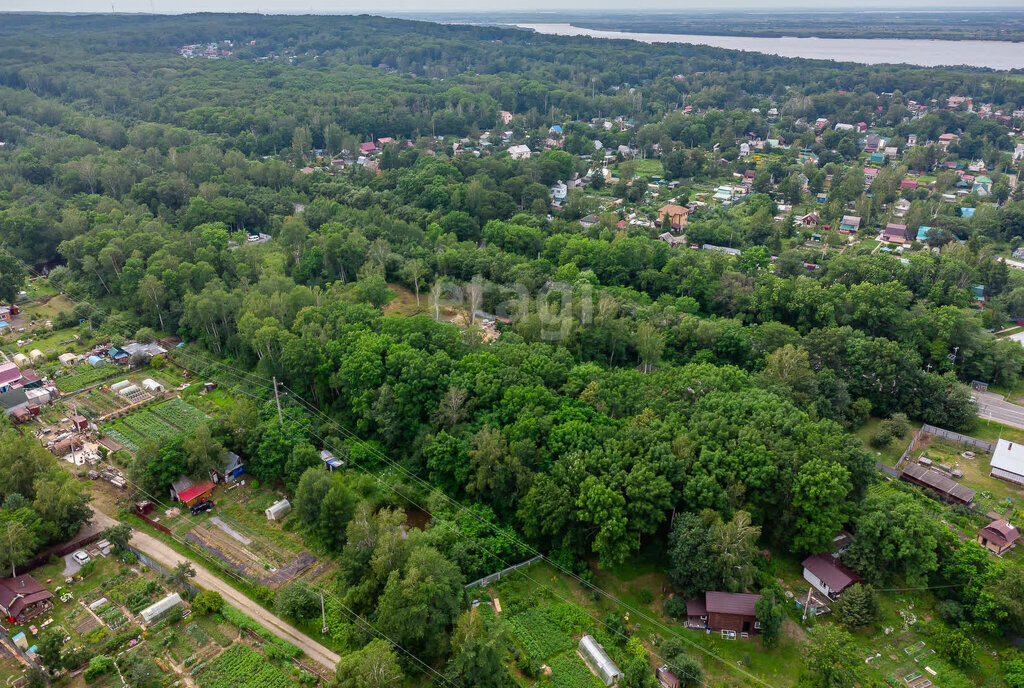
(158, 609)
(599, 660)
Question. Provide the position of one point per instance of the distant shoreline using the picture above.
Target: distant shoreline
(789, 32)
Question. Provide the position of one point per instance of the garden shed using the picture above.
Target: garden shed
(278, 509)
(68, 359)
(158, 609)
(607, 670)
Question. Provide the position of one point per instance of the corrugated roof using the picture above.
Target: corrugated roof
(940, 482)
(195, 491)
(1009, 456)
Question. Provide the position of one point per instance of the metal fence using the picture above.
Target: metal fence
(957, 437)
(487, 580)
(888, 470)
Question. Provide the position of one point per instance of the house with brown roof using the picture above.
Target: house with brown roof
(673, 216)
(666, 679)
(726, 612)
(827, 575)
(894, 233)
(998, 536)
(23, 598)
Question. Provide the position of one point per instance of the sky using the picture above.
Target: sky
(469, 6)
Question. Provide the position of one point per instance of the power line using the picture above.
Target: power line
(307, 407)
(244, 579)
(310, 408)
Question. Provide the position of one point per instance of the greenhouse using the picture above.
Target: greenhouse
(599, 660)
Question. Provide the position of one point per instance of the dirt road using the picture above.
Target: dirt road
(168, 558)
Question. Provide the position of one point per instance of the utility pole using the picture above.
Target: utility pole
(323, 614)
(280, 418)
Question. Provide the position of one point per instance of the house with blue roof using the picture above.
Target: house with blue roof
(967, 212)
(922, 232)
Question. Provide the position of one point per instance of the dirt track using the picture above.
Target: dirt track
(167, 557)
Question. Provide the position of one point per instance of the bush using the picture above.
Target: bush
(645, 595)
(98, 666)
(897, 425)
(857, 607)
(207, 602)
(675, 607)
(881, 438)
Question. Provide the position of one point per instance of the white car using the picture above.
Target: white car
(81, 556)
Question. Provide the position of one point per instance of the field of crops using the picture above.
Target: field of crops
(148, 425)
(181, 414)
(159, 423)
(122, 439)
(84, 376)
(241, 667)
(539, 634)
(569, 671)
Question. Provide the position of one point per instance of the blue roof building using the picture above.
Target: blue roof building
(922, 233)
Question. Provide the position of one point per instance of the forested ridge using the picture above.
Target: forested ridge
(631, 380)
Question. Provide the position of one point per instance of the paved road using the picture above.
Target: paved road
(993, 406)
(167, 557)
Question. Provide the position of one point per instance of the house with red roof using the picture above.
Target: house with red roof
(23, 598)
(908, 184)
(367, 147)
(827, 575)
(998, 536)
(9, 375)
(727, 612)
(196, 493)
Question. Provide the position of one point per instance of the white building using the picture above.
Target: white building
(519, 152)
(1008, 462)
(152, 386)
(559, 191)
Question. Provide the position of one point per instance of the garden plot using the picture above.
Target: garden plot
(992, 494)
(160, 423)
(241, 667)
(244, 549)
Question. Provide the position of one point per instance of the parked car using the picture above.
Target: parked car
(201, 506)
(81, 556)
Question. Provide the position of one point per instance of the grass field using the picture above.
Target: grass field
(890, 453)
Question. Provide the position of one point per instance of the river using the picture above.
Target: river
(926, 53)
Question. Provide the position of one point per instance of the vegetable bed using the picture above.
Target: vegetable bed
(539, 634)
(569, 671)
(241, 667)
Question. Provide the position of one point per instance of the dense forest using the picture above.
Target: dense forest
(630, 382)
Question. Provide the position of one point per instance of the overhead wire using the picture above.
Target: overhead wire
(308, 408)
